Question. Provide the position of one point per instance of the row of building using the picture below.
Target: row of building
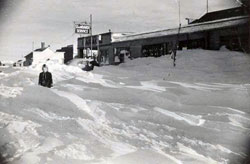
(228, 28)
(45, 53)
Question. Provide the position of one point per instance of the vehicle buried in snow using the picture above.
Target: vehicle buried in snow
(19, 63)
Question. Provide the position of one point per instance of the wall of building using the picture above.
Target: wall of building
(42, 56)
(28, 60)
(58, 57)
(68, 53)
(101, 46)
(46, 55)
(236, 37)
(209, 35)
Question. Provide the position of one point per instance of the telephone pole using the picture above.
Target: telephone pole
(207, 6)
(33, 46)
(91, 39)
(176, 45)
(179, 6)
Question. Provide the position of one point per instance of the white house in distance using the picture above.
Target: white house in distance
(42, 55)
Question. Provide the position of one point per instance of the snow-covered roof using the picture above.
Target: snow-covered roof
(228, 22)
(221, 14)
(116, 36)
(37, 50)
(41, 49)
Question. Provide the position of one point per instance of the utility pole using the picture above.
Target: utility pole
(98, 47)
(179, 5)
(207, 6)
(174, 48)
(91, 39)
(33, 46)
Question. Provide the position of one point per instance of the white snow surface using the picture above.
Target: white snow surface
(144, 111)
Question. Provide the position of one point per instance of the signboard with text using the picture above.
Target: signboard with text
(82, 28)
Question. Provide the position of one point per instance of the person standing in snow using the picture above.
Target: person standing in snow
(45, 77)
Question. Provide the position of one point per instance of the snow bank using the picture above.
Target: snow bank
(10, 92)
(141, 112)
(98, 79)
(75, 151)
(61, 72)
(190, 119)
(24, 134)
(192, 66)
(48, 116)
(79, 62)
(193, 154)
(54, 66)
(150, 86)
(224, 48)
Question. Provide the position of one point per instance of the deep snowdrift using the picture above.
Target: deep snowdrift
(193, 66)
(141, 112)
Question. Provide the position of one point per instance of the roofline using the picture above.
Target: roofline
(104, 34)
(126, 38)
(36, 50)
(31, 53)
(219, 20)
(233, 8)
(93, 35)
(215, 11)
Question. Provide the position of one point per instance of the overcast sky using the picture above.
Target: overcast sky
(51, 21)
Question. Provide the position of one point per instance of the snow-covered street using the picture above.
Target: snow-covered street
(141, 112)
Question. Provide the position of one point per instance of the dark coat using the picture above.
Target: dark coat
(88, 68)
(45, 79)
(94, 63)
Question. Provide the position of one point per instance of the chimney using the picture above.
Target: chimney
(42, 45)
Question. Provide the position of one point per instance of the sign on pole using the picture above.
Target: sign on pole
(82, 28)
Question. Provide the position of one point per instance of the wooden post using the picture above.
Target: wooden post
(207, 6)
(91, 39)
(248, 11)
